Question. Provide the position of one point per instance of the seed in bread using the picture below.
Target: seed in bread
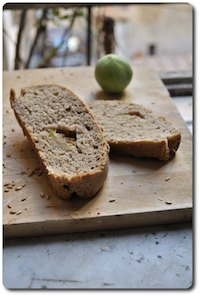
(66, 138)
(134, 130)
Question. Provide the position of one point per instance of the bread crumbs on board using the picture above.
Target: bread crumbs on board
(168, 202)
(19, 187)
(12, 212)
(19, 212)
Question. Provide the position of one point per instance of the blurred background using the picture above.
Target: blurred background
(59, 35)
(39, 35)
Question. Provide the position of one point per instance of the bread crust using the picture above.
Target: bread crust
(84, 185)
(162, 150)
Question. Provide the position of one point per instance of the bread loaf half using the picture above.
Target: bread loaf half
(134, 130)
(66, 138)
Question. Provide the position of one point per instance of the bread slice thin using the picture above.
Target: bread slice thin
(66, 138)
(134, 130)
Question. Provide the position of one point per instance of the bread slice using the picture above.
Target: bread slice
(134, 130)
(66, 138)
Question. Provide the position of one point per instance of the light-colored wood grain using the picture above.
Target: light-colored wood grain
(136, 190)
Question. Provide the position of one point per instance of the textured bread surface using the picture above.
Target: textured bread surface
(134, 130)
(66, 138)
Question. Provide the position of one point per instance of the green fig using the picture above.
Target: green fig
(113, 73)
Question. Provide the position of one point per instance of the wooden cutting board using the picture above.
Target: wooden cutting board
(137, 192)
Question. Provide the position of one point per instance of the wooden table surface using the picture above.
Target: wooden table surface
(145, 192)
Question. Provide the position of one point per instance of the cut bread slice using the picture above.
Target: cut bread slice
(134, 130)
(66, 138)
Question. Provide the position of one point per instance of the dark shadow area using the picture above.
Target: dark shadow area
(92, 235)
(148, 163)
(102, 95)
